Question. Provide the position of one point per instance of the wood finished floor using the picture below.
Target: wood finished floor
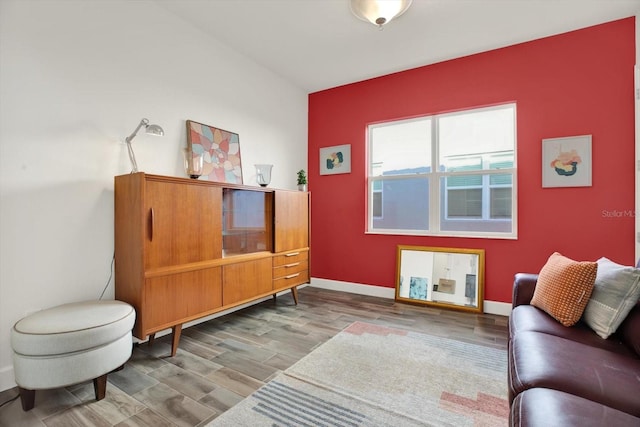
(221, 361)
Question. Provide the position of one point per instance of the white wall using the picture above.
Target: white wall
(76, 77)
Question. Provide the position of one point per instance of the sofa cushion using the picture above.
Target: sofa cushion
(542, 360)
(616, 291)
(564, 287)
(530, 318)
(542, 407)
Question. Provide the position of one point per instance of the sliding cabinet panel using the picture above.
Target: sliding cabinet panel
(246, 280)
(184, 223)
(291, 220)
(177, 298)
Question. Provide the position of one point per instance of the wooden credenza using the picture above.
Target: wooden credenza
(185, 249)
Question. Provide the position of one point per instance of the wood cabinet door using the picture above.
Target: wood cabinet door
(178, 298)
(183, 223)
(246, 280)
(291, 220)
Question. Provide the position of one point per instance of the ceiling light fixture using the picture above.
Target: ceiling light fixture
(379, 12)
(151, 130)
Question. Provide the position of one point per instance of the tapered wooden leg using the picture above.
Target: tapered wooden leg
(274, 297)
(175, 339)
(152, 338)
(27, 398)
(100, 386)
(294, 292)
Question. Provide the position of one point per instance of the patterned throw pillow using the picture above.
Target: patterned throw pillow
(564, 287)
(616, 291)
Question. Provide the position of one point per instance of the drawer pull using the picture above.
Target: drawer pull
(291, 276)
(292, 254)
(292, 265)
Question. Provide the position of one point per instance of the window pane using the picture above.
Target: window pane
(501, 203)
(400, 147)
(502, 179)
(475, 209)
(501, 160)
(404, 205)
(463, 163)
(483, 132)
(464, 203)
(464, 181)
(377, 203)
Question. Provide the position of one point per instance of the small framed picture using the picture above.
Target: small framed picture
(335, 160)
(566, 162)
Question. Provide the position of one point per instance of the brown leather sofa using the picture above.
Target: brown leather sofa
(569, 376)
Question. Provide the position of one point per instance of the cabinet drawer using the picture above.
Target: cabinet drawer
(290, 280)
(289, 269)
(290, 258)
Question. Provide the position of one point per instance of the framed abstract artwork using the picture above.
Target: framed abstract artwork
(220, 149)
(566, 162)
(335, 160)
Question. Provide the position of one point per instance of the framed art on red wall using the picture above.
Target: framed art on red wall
(335, 160)
(566, 162)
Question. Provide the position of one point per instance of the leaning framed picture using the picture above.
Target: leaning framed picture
(566, 162)
(335, 160)
(220, 149)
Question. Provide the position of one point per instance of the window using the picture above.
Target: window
(449, 174)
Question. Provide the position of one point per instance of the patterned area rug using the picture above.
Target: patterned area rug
(369, 375)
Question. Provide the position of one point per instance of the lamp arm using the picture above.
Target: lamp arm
(132, 157)
(143, 122)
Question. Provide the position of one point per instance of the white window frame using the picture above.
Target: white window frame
(435, 178)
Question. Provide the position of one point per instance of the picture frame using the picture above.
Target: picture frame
(335, 160)
(220, 149)
(567, 162)
(428, 276)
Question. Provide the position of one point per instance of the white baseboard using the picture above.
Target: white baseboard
(497, 307)
(7, 379)
(490, 307)
(354, 288)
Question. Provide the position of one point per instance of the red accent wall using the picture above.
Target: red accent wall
(575, 83)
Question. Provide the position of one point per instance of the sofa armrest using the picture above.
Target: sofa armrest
(523, 286)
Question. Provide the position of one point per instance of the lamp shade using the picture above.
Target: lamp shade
(379, 12)
(155, 130)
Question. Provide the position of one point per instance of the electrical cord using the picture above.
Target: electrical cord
(113, 259)
(9, 401)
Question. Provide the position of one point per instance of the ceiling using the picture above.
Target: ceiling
(319, 44)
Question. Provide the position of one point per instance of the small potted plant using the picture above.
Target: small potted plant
(302, 180)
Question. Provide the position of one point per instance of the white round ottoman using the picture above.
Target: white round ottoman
(70, 344)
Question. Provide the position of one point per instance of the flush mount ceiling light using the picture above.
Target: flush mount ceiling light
(151, 130)
(379, 12)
